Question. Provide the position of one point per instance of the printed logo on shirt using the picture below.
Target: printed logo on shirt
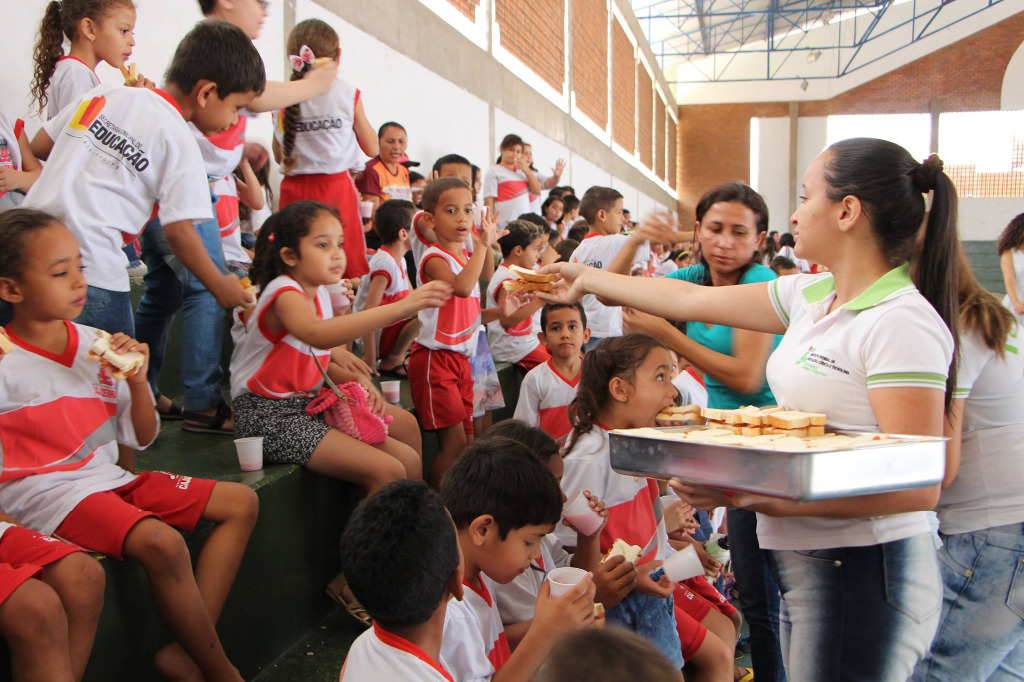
(1013, 335)
(87, 112)
(110, 143)
(814, 362)
(312, 126)
(181, 482)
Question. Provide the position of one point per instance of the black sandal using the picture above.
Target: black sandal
(394, 373)
(208, 423)
(175, 412)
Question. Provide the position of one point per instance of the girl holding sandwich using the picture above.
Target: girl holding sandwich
(869, 343)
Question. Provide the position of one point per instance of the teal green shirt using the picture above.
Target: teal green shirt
(719, 339)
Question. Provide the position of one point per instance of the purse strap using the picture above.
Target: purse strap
(337, 391)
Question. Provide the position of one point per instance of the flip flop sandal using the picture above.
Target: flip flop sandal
(355, 609)
(749, 677)
(394, 373)
(208, 423)
(175, 412)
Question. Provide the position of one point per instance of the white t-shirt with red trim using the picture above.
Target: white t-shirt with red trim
(325, 140)
(120, 158)
(381, 655)
(222, 153)
(474, 645)
(419, 244)
(453, 326)
(276, 365)
(71, 79)
(61, 420)
(598, 251)
(10, 153)
(384, 264)
(228, 220)
(544, 400)
(516, 600)
(515, 343)
(510, 191)
(633, 502)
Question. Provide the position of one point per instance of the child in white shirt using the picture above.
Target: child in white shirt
(509, 183)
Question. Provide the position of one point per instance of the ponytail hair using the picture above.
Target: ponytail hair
(283, 230)
(612, 357)
(61, 19)
(891, 186)
(981, 312)
(323, 40)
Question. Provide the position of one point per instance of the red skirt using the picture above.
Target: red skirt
(339, 192)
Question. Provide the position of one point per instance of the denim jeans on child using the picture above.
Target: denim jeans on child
(654, 619)
(107, 310)
(981, 631)
(169, 287)
(858, 613)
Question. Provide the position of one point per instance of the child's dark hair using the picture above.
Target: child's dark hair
(283, 230)
(263, 177)
(398, 551)
(552, 307)
(501, 477)
(605, 654)
(1012, 236)
(782, 263)
(535, 219)
(547, 204)
(521, 234)
(733, 193)
(16, 226)
(390, 124)
(787, 239)
(891, 186)
(597, 199)
(451, 159)
(565, 248)
(435, 188)
(61, 19)
(570, 202)
(220, 52)
(509, 141)
(579, 231)
(393, 216)
(319, 37)
(207, 6)
(415, 177)
(537, 440)
(617, 356)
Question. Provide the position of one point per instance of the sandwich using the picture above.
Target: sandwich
(685, 415)
(794, 423)
(528, 280)
(743, 421)
(598, 615)
(5, 344)
(131, 74)
(250, 288)
(622, 548)
(118, 365)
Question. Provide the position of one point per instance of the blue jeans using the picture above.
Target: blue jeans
(170, 287)
(759, 596)
(654, 619)
(858, 613)
(107, 310)
(981, 632)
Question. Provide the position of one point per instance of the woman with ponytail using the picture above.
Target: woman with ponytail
(870, 344)
(98, 30)
(319, 141)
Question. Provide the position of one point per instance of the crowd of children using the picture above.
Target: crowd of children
(449, 565)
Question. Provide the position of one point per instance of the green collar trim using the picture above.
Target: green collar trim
(891, 283)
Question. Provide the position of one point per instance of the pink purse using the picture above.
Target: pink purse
(347, 408)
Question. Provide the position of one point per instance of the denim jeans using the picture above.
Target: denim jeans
(654, 619)
(170, 287)
(759, 596)
(858, 613)
(107, 310)
(981, 632)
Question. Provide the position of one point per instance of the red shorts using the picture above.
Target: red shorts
(442, 388)
(101, 521)
(713, 597)
(339, 192)
(691, 631)
(537, 356)
(389, 335)
(23, 555)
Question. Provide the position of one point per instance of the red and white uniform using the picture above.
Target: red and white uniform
(120, 158)
(633, 503)
(535, 202)
(276, 365)
(598, 251)
(419, 243)
(325, 140)
(515, 343)
(544, 400)
(222, 153)
(510, 191)
(381, 655)
(474, 644)
(384, 264)
(454, 326)
(61, 420)
(71, 79)
(10, 154)
(517, 599)
(24, 554)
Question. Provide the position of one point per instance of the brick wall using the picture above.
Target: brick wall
(590, 58)
(659, 137)
(467, 7)
(534, 32)
(644, 115)
(623, 89)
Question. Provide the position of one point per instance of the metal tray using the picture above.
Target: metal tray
(916, 462)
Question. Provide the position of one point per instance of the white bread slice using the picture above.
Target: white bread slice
(622, 548)
(118, 365)
(792, 419)
(713, 414)
(5, 344)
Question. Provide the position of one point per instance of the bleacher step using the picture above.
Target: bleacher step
(319, 654)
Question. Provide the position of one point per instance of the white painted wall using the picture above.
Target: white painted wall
(773, 170)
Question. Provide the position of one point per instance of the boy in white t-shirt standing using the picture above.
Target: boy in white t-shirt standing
(601, 207)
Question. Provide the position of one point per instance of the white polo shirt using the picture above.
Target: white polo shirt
(120, 158)
(887, 337)
(544, 399)
(598, 251)
(987, 490)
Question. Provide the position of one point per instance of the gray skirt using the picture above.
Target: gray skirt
(289, 433)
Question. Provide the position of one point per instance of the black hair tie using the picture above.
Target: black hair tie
(926, 173)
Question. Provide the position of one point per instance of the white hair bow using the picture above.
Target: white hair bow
(300, 60)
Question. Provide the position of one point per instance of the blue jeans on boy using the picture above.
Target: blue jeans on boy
(169, 287)
(759, 595)
(654, 619)
(981, 630)
(107, 310)
(858, 613)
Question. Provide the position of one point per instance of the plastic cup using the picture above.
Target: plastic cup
(682, 565)
(365, 209)
(577, 511)
(564, 579)
(250, 453)
(339, 296)
(391, 391)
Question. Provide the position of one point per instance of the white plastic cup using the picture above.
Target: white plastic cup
(391, 391)
(683, 565)
(365, 210)
(564, 579)
(478, 213)
(339, 296)
(583, 518)
(250, 453)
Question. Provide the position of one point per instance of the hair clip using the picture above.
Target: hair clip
(302, 59)
(271, 238)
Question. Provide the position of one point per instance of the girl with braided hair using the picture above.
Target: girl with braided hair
(320, 141)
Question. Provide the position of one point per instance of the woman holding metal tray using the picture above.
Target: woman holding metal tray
(871, 345)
